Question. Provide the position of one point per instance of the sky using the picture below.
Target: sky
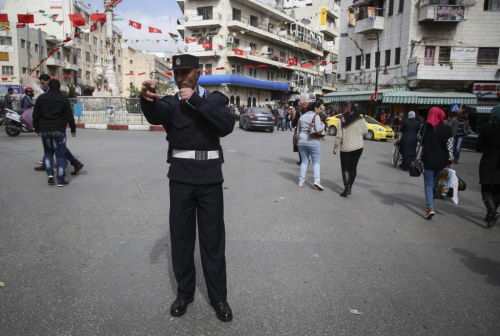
(161, 14)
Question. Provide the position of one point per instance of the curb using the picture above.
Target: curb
(121, 127)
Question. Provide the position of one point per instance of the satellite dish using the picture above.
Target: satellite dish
(305, 21)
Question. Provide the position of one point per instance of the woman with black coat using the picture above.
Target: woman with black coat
(488, 141)
(408, 143)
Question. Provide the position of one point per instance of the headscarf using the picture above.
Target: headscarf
(411, 114)
(495, 115)
(435, 116)
(350, 113)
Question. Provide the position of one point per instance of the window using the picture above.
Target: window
(444, 55)
(348, 61)
(96, 59)
(254, 21)
(206, 12)
(36, 47)
(87, 56)
(131, 61)
(368, 59)
(87, 74)
(283, 57)
(397, 56)
(208, 68)
(236, 14)
(358, 62)
(270, 51)
(7, 70)
(487, 56)
(401, 6)
(119, 69)
(390, 10)
(7, 40)
(492, 5)
(95, 41)
(23, 44)
(25, 70)
(377, 59)
(387, 57)
(86, 37)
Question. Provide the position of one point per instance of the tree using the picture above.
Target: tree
(71, 91)
(164, 89)
(134, 91)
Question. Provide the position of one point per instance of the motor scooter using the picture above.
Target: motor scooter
(16, 123)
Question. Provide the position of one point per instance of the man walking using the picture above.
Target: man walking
(51, 115)
(8, 99)
(460, 128)
(194, 121)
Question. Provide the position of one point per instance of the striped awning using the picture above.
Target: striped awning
(483, 109)
(356, 95)
(446, 98)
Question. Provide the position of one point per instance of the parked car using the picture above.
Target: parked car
(470, 141)
(257, 118)
(376, 131)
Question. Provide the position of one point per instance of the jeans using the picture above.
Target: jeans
(54, 143)
(281, 123)
(315, 153)
(457, 146)
(431, 177)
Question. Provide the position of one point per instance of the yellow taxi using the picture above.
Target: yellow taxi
(376, 131)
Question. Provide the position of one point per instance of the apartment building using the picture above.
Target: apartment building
(429, 53)
(75, 59)
(251, 51)
(322, 16)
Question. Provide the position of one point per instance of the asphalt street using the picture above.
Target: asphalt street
(93, 258)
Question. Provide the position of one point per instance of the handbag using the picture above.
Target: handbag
(295, 140)
(461, 184)
(313, 132)
(417, 166)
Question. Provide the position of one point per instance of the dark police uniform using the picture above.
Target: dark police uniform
(194, 129)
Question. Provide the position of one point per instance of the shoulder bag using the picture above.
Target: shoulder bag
(313, 132)
(417, 166)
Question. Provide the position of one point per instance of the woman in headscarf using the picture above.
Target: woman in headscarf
(488, 141)
(350, 131)
(408, 144)
(437, 153)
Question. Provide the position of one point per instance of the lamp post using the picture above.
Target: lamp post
(377, 69)
(28, 47)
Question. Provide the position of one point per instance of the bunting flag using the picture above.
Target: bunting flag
(248, 66)
(207, 45)
(206, 71)
(25, 18)
(40, 24)
(4, 18)
(4, 26)
(77, 20)
(98, 17)
(324, 62)
(117, 18)
(169, 74)
(190, 40)
(292, 61)
(134, 24)
(140, 74)
(262, 65)
(154, 30)
(306, 65)
(239, 52)
(21, 25)
(113, 4)
(52, 17)
(93, 27)
(220, 68)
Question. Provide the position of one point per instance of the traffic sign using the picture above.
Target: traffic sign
(456, 107)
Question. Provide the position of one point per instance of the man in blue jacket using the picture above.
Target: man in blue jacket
(194, 120)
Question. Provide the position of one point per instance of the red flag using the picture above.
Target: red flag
(323, 62)
(25, 18)
(239, 52)
(306, 65)
(207, 45)
(292, 61)
(4, 18)
(248, 66)
(40, 24)
(206, 71)
(154, 30)
(93, 27)
(77, 20)
(169, 74)
(98, 17)
(262, 65)
(219, 68)
(135, 24)
(22, 25)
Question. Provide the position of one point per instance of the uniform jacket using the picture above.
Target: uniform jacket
(196, 124)
(488, 141)
(52, 113)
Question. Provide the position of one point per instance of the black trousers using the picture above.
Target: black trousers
(349, 163)
(205, 204)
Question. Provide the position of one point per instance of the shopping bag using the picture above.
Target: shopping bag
(443, 186)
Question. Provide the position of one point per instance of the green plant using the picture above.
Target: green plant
(134, 91)
(71, 91)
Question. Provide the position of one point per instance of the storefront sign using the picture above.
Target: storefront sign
(17, 89)
(463, 55)
(450, 13)
(412, 66)
(322, 16)
(486, 90)
(6, 48)
(55, 4)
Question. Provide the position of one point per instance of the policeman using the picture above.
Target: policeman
(194, 120)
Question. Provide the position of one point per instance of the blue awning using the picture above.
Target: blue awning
(243, 81)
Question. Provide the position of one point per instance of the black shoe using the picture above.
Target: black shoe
(455, 161)
(51, 180)
(299, 163)
(62, 183)
(491, 218)
(179, 306)
(77, 169)
(222, 310)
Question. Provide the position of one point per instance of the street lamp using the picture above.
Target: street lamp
(377, 69)
(28, 47)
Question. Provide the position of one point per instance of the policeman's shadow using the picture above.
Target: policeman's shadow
(482, 266)
(162, 247)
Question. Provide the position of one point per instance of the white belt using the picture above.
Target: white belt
(196, 155)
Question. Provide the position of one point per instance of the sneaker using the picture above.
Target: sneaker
(62, 183)
(51, 180)
(430, 213)
(318, 186)
(40, 162)
(301, 184)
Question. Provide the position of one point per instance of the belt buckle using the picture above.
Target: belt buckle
(201, 155)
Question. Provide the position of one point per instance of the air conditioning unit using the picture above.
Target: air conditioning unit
(230, 39)
(341, 76)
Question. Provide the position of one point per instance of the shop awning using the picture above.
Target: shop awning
(446, 98)
(482, 109)
(357, 95)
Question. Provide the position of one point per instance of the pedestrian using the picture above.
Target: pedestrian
(488, 141)
(396, 123)
(51, 115)
(295, 122)
(309, 145)
(281, 118)
(459, 128)
(27, 101)
(194, 120)
(290, 116)
(409, 140)
(77, 165)
(350, 131)
(8, 99)
(437, 144)
(44, 80)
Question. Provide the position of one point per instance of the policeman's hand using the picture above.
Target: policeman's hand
(148, 90)
(186, 93)
(73, 134)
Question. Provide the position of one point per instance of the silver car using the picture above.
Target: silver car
(258, 118)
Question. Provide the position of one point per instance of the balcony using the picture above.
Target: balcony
(329, 30)
(212, 20)
(70, 66)
(198, 50)
(79, 81)
(455, 71)
(428, 13)
(51, 61)
(366, 26)
(264, 59)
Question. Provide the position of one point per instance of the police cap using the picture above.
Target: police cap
(185, 61)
